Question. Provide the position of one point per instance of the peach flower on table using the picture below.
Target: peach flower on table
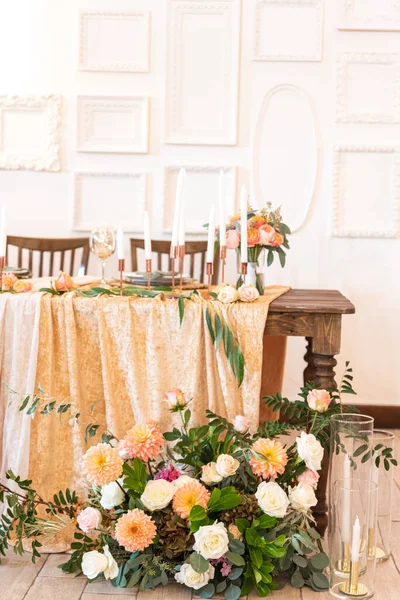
(232, 239)
(253, 237)
(22, 285)
(248, 293)
(175, 398)
(268, 459)
(102, 464)
(135, 530)
(241, 424)
(143, 440)
(267, 235)
(309, 477)
(63, 282)
(319, 400)
(88, 519)
(228, 294)
(189, 495)
(8, 281)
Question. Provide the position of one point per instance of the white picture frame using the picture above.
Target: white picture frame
(109, 197)
(106, 41)
(201, 189)
(391, 229)
(349, 20)
(30, 132)
(202, 103)
(274, 15)
(385, 61)
(113, 124)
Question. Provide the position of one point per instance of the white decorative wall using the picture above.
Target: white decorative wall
(298, 99)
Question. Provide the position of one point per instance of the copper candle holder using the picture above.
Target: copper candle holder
(121, 269)
(173, 255)
(209, 271)
(181, 253)
(222, 255)
(2, 265)
(148, 271)
(243, 271)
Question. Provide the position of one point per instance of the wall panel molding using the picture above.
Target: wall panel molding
(203, 72)
(380, 15)
(387, 205)
(34, 142)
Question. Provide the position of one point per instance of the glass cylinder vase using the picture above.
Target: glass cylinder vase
(352, 514)
(383, 477)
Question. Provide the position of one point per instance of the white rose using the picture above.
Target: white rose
(210, 474)
(227, 465)
(112, 495)
(189, 577)
(272, 499)
(211, 541)
(112, 567)
(302, 497)
(183, 480)
(310, 450)
(93, 563)
(157, 494)
(241, 424)
(228, 294)
(248, 293)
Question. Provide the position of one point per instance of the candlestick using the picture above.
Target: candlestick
(147, 237)
(346, 500)
(2, 265)
(181, 251)
(243, 225)
(148, 271)
(181, 236)
(211, 236)
(355, 541)
(209, 271)
(120, 243)
(222, 255)
(173, 255)
(3, 230)
(121, 268)
(221, 202)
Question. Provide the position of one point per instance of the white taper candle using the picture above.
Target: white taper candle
(346, 514)
(3, 230)
(221, 199)
(120, 243)
(181, 236)
(355, 541)
(211, 236)
(147, 237)
(177, 213)
(243, 225)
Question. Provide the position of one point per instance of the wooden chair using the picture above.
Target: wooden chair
(52, 246)
(162, 247)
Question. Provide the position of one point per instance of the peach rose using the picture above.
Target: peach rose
(241, 424)
(253, 237)
(174, 398)
(278, 240)
(63, 283)
(88, 519)
(309, 477)
(232, 239)
(256, 221)
(248, 293)
(8, 281)
(319, 400)
(22, 285)
(267, 235)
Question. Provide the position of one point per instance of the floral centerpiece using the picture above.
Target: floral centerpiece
(266, 232)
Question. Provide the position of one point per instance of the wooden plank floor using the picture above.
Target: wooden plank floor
(21, 580)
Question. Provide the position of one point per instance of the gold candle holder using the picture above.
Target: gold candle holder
(2, 265)
(222, 256)
(121, 269)
(353, 587)
(373, 550)
(209, 271)
(148, 271)
(243, 271)
(343, 565)
(181, 254)
(173, 255)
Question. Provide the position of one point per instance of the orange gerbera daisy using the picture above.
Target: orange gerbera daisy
(144, 440)
(102, 464)
(135, 531)
(256, 222)
(270, 459)
(253, 237)
(189, 495)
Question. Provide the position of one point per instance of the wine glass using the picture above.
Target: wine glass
(102, 244)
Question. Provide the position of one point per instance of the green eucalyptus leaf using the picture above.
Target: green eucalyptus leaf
(198, 563)
(235, 559)
(320, 580)
(300, 561)
(232, 592)
(297, 579)
(207, 591)
(319, 561)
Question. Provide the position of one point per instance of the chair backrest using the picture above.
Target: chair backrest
(51, 246)
(162, 248)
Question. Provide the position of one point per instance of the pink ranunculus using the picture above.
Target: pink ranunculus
(232, 239)
(309, 477)
(248, 293)
(267, 235)
(241, 424)
(63, 283)
(89, 518)
(174, 398)
(22, 285)
(319, 400)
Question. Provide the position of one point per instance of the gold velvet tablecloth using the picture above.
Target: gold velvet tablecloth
(121, 353)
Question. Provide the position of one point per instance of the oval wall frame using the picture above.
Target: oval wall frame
(285, 153)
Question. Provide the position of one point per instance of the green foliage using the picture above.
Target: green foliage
(220, 331)
(135, 477)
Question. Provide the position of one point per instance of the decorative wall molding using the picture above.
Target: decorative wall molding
(309, 186)
(119, 197)
(339, 228)
(312, 30)
(114, 51)
(201, 190)
(342, 91)
(42, 151)
(129, 134)
(202, 98)
(349, 20)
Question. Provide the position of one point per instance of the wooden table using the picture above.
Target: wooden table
(317, 316)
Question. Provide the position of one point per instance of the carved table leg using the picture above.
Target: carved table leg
(320, 369)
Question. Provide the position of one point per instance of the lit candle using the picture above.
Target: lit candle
(3, 230)
(177, 213)
(147, 238)
(211, 236)
(346, 514)
(221, 198)
(243, 225)
(181, 238)
(355, 542)
(120, 243)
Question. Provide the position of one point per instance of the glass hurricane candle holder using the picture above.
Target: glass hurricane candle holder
(382, 475)
(352, 512)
